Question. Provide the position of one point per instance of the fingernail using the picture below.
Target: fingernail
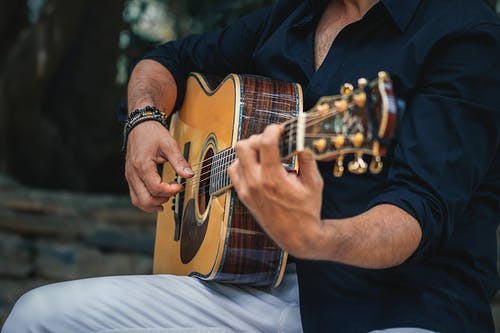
(189, 170)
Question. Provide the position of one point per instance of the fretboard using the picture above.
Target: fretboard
(219, 179)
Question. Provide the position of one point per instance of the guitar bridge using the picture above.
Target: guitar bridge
(179, 198)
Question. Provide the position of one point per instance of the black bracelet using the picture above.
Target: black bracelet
(139, 116)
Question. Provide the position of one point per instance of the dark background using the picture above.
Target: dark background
(64, 209)
(63, 70)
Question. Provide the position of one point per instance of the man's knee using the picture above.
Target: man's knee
(31, 312)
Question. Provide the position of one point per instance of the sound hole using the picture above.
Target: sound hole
(203, 189)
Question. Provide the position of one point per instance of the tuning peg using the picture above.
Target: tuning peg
(376, 165)
(383, 75)
(341, 105)
(346, 89)
(362, 83)
(320, 145)
(357, 139)
(338, 141)
(358, 166)
(338, 169)
(360, 99)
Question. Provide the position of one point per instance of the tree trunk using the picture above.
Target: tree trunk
(58, 83)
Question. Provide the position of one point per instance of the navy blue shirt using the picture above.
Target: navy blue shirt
(445, 169)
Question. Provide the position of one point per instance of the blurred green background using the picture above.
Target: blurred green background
(64, 209)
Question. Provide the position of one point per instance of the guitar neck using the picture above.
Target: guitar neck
(219, 179)
(290, 142)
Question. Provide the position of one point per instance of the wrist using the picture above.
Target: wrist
(138, 116)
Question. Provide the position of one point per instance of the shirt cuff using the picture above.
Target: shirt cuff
(423, 210)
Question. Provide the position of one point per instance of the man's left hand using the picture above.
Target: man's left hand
(287, 205)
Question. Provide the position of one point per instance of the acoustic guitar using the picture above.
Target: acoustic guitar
(205, 231)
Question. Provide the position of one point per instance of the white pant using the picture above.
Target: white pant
(159, 304)
(156, 303)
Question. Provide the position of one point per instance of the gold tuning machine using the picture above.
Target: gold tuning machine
(346, 89)
(341, 105)
(338, 168)
(358, 166)
(376, 165)
(362, 83)
(320, 145)
(360, 97)
(383, 75)
(357, 139)
(338, 141)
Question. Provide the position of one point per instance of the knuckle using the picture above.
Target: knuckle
(252, 187)
(239, 146)
(135, 201)
(136, 163)
(267, 141)
(177, 159)
(128, 174)
(243, 194)
(155, 190)
(269, 182)
(170, 147)
(272, 128)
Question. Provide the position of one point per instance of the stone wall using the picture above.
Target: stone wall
(48, 236)
(53, 236)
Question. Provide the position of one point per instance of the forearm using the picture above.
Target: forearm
(382, 237)
(151, 84)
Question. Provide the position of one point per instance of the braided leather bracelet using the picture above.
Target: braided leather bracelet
(139, 116)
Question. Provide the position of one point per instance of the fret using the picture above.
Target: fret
(288, 143)
(219, 178)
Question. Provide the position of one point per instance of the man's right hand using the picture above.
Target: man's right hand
(148, 145)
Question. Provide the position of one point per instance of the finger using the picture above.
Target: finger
(246, 150)
(269, 147)
(170, 151)
(238, 180)
(142, 199)
(234, 173)
(308, 169)
(148, 174)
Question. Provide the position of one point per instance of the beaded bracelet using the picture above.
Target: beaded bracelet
(139, 116)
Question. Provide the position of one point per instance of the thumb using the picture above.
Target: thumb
(308, 169)
(176, 160)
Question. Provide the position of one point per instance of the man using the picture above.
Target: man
(411, 249)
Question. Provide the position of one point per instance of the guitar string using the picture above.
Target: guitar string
(223, 166)
(287, 132)
(283, 116)
(313, 118)
(291, 130)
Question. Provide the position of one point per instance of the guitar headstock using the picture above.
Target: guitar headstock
(359, 121)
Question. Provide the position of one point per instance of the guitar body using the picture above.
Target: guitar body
(211, 235)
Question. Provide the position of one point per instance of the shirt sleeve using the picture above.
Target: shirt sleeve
(221, 53)
(450, 135)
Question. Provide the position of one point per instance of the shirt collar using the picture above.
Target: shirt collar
(400, 11)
